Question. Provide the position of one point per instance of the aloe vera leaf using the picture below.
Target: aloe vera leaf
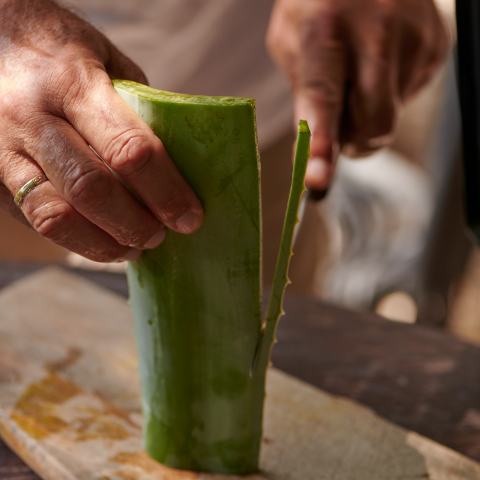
(280, 278)
(196, 298)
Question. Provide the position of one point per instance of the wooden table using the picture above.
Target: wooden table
(415, 376)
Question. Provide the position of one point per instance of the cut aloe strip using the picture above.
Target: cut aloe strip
(280, 278)
(196, 298)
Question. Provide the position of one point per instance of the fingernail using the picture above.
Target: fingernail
(154, 241)
(188, 223)
(130, 256)
(317, 174)
(157, 239)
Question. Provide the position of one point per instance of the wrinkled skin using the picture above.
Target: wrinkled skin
(56, 98)
(351, 65)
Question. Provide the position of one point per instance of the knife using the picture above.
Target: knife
(468, 50)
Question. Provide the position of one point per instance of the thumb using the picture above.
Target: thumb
(319, 93)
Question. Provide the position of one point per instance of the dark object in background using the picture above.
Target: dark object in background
(468, 43)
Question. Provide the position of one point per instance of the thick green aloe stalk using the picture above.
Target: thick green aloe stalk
(196, 298)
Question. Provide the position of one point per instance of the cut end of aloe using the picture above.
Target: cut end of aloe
(303, 127)
(153, 95)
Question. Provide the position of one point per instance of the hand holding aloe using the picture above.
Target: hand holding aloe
(203, 347)
(56, 98)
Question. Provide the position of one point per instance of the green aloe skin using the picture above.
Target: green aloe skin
(196, 298)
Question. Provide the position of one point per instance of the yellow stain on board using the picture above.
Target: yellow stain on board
(98, 426)
(147, 465)
(127, 475)
(35, 411)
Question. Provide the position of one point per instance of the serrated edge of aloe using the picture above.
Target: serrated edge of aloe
(280, 279)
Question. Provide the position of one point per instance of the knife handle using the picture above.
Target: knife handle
(316, 195)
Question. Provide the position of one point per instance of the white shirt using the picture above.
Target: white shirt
(201, 47)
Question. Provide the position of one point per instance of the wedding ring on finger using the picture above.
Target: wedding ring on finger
(28, 187)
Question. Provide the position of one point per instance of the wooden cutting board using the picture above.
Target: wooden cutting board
(69, 402)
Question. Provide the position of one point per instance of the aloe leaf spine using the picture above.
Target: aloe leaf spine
(280, 278)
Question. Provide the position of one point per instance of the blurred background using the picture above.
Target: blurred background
(392, 233)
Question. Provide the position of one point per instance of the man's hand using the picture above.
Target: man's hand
(56, 99)
(351, 64)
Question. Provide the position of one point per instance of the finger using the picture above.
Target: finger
(319, 89)
(373, 99)
(132, 150)
(88, 185)
(55, 219)
(7, 204)
(281, 40)
(422, 51)
(121, 67)
(410, 59)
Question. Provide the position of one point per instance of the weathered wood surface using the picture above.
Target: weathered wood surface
(69, 402)
(418, 377)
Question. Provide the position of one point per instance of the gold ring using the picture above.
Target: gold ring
(28, 187)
